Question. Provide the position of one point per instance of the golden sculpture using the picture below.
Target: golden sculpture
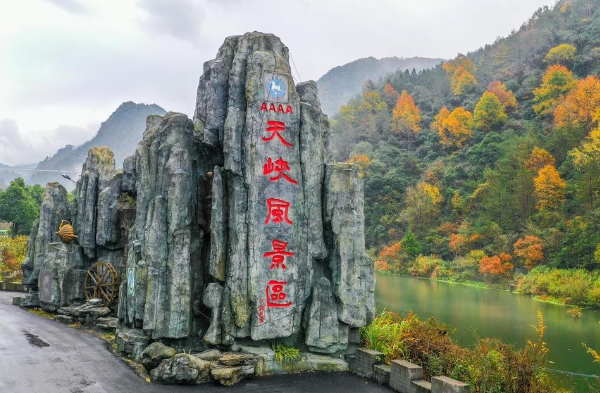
(66, 232)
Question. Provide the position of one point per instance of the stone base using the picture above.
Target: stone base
(131, 342)
(266, 363)
(31, 300)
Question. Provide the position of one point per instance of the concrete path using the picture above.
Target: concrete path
(38, 355)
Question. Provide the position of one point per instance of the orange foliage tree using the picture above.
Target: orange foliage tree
(538, 159)
(530, 249)
(556, 83)
(497, 265)
(406, 116)
(453, 128)
(390, 95)
(457, 243)
(388, 256)
(549, 189)
(506, 97)
(580, 107)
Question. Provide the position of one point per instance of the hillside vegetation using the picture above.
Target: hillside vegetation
(487, 167)
(342, 83)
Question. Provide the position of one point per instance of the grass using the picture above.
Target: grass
(41, 313)
(285, 354)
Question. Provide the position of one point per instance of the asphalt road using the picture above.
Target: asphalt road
(38, 355)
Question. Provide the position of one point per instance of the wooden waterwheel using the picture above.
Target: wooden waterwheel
(102, 282)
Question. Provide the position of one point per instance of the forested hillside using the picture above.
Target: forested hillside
(488, 166)
(343, 82)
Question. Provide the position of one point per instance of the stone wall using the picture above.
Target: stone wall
(402, 376)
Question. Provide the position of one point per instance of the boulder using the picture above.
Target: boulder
(107, 323)
(210, 355)
(227, 376)
(155, 353)
(236, 359)
(182, 369)
(67, 320)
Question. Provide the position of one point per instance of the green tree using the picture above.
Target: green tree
(489, 113)
(411, 245)
(18, 207)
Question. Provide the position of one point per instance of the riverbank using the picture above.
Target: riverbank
(567, 287)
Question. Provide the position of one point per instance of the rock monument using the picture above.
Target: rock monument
(234, 227)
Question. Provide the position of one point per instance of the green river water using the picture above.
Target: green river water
(475, 312)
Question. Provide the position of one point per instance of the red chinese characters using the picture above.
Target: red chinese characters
(276, 297)
(279, 167)
(276, 128)
(278, 254)
(261, 311)
(278, 211)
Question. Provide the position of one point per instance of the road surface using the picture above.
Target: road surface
(38, 355)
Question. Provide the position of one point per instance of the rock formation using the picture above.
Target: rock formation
(233, 227)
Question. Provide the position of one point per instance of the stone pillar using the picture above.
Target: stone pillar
(363, 360)
(402, 373)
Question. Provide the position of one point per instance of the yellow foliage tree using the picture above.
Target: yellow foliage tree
(461, 71)
(462, 81)
(506, 97)
(581, 105)
(362, 161)
(586, 158)
(421, 205)
(561, 54)
(371, 103)
(489, 113)
(538, 159)
(453, 128)
(549, 189)
(406, 116)
(460, 61)
(556, 83)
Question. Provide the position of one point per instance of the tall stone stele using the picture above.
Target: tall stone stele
(244, 230)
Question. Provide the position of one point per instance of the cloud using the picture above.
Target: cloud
(181, 19)
(12, 144)
(19, 147)
(73, 6)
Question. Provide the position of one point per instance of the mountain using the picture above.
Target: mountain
(341, 83)
(8, 173)
(121, 132)
(515, 169)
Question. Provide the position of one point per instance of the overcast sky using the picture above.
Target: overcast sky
(70, 63)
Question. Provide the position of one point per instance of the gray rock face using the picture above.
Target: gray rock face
(352, 271)
(97, 171)
(235, 226)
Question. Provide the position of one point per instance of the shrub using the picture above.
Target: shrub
(491, 366)
(285, 354)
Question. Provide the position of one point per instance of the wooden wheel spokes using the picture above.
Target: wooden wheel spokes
(101, 282)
